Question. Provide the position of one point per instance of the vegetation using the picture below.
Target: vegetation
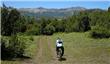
(13, 42)
(100, 32)
(14, 46)
(81, 22)
(15, 28)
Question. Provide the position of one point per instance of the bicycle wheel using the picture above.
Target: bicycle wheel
(60, 53)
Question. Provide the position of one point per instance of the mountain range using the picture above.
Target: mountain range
(52, 12)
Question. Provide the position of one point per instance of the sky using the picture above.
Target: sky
(57, 4)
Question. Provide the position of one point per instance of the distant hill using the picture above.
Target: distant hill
(44, 12)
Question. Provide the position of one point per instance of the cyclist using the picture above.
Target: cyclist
(59, 44)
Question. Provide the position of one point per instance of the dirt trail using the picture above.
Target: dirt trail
(39, 54)
(54, 59)
(39, 59)
(46, 53)
(43, 54)
(53, 52)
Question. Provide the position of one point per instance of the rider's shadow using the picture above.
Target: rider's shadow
(62, 59)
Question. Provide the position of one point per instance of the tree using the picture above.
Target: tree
(49, 30)
(9, 18)
(33, 29)
(108, 9)
(79, 23)
(85, 26)
(4, 20)
(14, 15)
(60, 26)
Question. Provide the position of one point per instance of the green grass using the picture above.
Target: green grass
(10, 62)
(81, 49)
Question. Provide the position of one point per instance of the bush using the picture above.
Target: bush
(4, 47)
(82, 24)
(99, 32)
(49, 30)
(33, 30)
(14, 46)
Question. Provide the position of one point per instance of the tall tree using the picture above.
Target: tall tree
(4, 20)
(9, 18)
(85, 23)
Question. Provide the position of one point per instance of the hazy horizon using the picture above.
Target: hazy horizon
(57, 4)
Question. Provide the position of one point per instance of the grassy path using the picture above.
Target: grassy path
(39, 53)
(54, 60)
(79, 49)
(44, 53)
(52, 48)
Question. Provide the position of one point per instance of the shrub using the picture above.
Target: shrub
(33, 31)
(4, 47)
(14, 46)
(49, 30)
(82, 24)
(99, 32)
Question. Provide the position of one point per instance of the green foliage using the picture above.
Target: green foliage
(100, 32)
(78, 23)
(32, 30)
(60, 26)
(12, 47)
(9, 18)
(4, 23)
(49, 30)
(14, 23)
(101, 21)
